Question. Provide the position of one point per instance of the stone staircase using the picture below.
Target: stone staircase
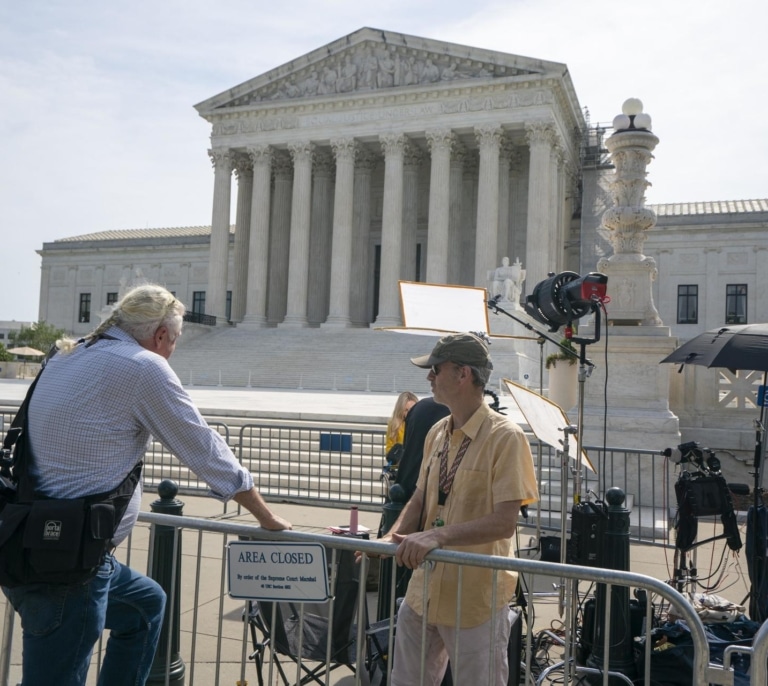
(314, 359)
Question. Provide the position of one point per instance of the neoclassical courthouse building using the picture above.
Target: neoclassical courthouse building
(383, 157)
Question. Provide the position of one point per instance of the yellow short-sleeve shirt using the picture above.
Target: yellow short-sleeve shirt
(497, 467)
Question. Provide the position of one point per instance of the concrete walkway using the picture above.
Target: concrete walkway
(343, 406)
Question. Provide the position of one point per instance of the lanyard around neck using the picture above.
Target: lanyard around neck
(446, 475)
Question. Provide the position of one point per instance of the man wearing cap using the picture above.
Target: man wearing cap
(476, 474)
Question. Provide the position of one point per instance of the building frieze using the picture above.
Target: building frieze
(371, 67)
(233, 124)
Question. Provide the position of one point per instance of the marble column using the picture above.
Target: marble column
(393, 145)
(571, 231)
(343, 215)
(258, 246)
(244, 173)
(440, 143)
(556, 245)
(502, 242)
(218, 261)
(298, 267)
(488, 140)
(537, 258)
(518, 207)
(360, 277)
(321, 227)
(455, 213)
(411, 172)
(468, 219)
(279, 243)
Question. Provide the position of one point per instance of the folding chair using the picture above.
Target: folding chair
(322, 635)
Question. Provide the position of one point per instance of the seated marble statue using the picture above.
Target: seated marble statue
(507, 281)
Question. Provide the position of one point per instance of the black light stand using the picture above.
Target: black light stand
(493, 305)
(585, 370)
(558, 301)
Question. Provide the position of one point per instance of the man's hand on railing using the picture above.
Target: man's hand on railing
(252, 501)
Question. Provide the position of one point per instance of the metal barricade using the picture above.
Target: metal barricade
(215, 637)
(335, 464)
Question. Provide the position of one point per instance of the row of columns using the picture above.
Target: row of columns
(284, 233)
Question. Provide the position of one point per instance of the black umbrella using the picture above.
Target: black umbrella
(733, 347)
(742, 347)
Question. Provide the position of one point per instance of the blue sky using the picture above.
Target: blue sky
(99, 132)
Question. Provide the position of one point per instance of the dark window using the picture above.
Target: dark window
(229, 306)
(418, 262)
(687, 304)
(111, 298)
(2, 335)
(376, 280)
(736, 303)
(84, 315)
(198, 302)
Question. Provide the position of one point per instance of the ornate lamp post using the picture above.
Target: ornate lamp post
(630, 272)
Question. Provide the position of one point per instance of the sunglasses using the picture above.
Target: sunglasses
(435, 368)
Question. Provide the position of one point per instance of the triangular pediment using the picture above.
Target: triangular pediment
(369, 61)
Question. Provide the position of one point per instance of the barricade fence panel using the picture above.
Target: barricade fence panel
(216, 645)
(332, 465)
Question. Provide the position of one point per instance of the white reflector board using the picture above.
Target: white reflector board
(438, 309)
(546, 419)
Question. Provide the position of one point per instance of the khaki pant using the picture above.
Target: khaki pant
(470, 666)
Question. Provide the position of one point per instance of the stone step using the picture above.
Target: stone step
(315, 359)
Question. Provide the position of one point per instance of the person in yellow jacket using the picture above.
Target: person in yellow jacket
(396, 423)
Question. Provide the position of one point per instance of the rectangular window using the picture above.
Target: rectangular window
(687, 304)
(736, 303)
(418, 262)
(229, 306)
(111, 298)
(198, 302)
(84, 315)
(376, 279)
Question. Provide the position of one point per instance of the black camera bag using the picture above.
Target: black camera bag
(51, 540)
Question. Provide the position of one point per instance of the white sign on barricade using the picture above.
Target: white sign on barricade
(259, 570)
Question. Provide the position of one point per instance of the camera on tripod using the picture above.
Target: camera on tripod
(701, 492)
(693, 453)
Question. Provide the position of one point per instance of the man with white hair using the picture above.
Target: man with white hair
(476, 473)
(90, 419)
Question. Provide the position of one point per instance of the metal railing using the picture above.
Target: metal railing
(331, 465)
(215, 634)
(334, 464)
(200, 318)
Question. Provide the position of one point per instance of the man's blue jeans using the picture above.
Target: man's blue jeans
(61, 624)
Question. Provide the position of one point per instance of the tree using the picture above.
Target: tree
(5, 356)
(40, 335)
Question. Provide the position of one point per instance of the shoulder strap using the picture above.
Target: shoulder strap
(8, 457)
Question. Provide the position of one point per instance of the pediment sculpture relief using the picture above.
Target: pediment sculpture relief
(374, 67)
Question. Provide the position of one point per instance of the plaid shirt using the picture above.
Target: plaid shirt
(94, 412)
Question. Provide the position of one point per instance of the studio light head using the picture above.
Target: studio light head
(565, 297)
